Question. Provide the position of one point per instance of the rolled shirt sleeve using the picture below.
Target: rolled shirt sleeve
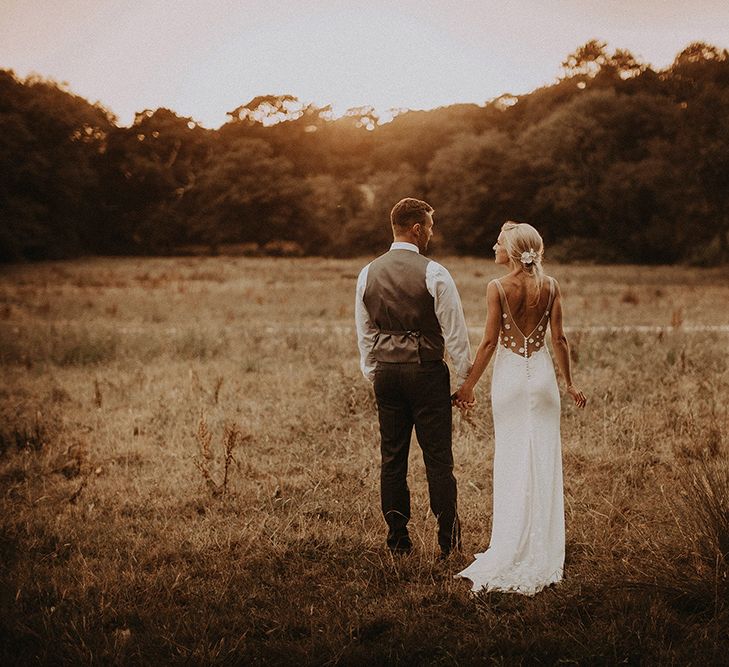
(449, 311)
(366, 330)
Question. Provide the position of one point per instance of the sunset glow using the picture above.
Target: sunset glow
(203, 59)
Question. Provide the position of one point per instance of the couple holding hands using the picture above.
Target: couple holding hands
(408, 313)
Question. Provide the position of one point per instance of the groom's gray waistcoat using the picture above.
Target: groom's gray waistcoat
(400, 306)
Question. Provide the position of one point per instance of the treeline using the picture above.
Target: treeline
(614, 162)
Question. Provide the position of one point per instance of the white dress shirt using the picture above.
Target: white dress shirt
(448, 310)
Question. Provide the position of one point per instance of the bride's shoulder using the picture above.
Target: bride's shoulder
(550, 282)
(492, 286)
(493, 290)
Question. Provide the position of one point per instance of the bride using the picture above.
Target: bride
(526, 552)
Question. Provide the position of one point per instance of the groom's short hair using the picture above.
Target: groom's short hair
(409, 211)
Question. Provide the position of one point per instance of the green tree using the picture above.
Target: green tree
(369, 231)
(331, 205)
(49, 193)
(247, 194)
(468, 187)
(150, 169)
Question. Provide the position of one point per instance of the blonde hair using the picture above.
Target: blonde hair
(525, 248)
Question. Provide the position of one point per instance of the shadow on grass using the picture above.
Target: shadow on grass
(328, 599)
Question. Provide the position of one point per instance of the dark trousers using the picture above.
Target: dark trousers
(412, 394)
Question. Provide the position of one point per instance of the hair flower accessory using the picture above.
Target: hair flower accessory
(528, 257)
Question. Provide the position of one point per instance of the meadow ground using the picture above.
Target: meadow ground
(120, 542)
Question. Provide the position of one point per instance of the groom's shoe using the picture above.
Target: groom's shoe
(398, 542)
(454, 550)
(401, 547)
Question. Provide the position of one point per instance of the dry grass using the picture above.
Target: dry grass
(133, 530)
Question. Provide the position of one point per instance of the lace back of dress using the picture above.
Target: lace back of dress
(512, 338)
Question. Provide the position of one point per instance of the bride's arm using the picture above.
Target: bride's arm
(464, 397)
(562, 348)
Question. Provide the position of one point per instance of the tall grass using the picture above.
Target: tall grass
(705, 529)
(116, 549)
(205, 461)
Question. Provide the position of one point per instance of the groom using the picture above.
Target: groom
(408, 312)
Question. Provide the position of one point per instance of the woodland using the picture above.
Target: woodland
(614, 162)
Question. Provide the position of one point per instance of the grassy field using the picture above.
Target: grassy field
(131, 389)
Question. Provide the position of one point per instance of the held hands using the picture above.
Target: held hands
(464, 398)
(577, 396)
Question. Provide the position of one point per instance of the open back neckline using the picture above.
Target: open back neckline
(536, 337)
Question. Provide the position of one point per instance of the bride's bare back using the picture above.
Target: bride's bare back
(524, 313)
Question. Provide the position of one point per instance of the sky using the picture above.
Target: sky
(203, 58)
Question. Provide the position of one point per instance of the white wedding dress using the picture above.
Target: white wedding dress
(526, 552)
